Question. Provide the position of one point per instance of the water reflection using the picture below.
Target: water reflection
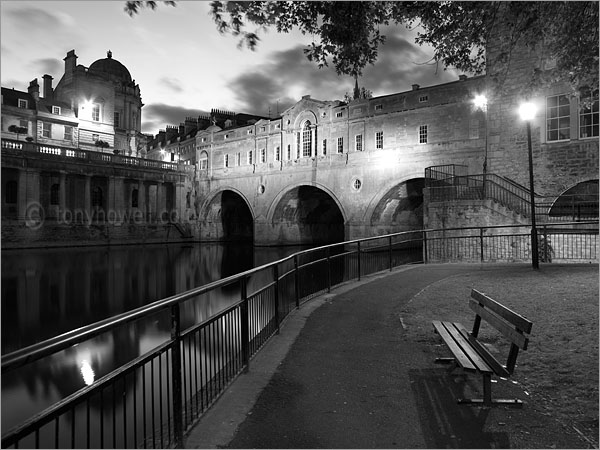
(49, 292)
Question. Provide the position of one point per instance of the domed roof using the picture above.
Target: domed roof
(111, 67)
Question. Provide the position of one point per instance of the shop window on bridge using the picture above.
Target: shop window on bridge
(10, 192)
(55, 194)
(588, 115)
(134, 198)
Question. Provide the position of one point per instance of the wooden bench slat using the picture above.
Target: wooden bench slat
(465, 356)
(516, 319)
(498, 368)
(497, 322)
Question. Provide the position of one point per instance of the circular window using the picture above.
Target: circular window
(356, 184)
(261, 189)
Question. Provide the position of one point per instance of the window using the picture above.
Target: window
(249, 157)
(358, 142)
(68, 133)
(56, 110)
(339, 114)
(474, 129)
(263, 129)
(306, 140)
(277, 153)
(226, 160)
(24, 124)
(97, 197)
(54, 194)
(96, 112)
(378, 107)
(263, 155)
(423, 134)
(324, 147)
(23, 103)
(46, 130)
(558, 118)
(203, 161)
(134, 198)
(95, 137)
(379, 139)
(289, 152)
(250, 131)
(203, 139)
(238, 159)
(117, 119)
(423, 98)
(357, 184)
(588, 115)
(10, 192)
(340, 145)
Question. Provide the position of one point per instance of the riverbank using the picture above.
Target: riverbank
(359, 371)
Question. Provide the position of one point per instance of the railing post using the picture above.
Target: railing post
(481, 242)
(296, 281)
(358, 260)
(328, 269)
(276, 279)
(425, 251)
(245, 325)
(390, 253)
(176, 371)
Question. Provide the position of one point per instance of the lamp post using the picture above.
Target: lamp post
(481, 102)
(527, 112)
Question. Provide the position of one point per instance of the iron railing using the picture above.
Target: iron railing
(153, 399)
(88, 156)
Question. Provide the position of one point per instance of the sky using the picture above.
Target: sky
(184, 66)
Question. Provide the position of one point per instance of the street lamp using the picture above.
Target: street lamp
(481, 102)
(527, 112)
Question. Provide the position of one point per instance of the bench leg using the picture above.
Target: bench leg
(487, 397)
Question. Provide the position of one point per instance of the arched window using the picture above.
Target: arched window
(55, 194)
(306, 140)
(134, 198)
(10, 192)
(203, 161)
(578, 203)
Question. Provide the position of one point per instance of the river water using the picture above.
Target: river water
(47, 292)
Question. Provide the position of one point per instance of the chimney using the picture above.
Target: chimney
(462, 77)
(190, 124)
(34, 89)
(415, 87)
(48, 94)
(70, 64)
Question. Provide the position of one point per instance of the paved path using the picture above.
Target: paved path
(342, 375)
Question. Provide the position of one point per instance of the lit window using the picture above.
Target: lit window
(324, 147)
(263, 155)
(423, 98)
(558, 118)
(378, 107)
(340, 145)
(277, 153)
(46, 130)
(379, 139)
(249, 157)
(56, 110)
(358, 142)
(423, 134)
(588, 116)
(203, 163)
(23, 103)
(96, 112)
(68, 133)
(306, 140)
(24, 124)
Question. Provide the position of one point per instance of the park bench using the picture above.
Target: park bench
(472, 356)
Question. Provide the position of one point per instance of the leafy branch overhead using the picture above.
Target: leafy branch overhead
(348, 35)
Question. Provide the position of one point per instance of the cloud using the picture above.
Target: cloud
(157, 116)
(47, 66)
(171, 83)
(32, 18)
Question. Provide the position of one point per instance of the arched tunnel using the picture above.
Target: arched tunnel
(308, 215)
(228, 218)
(401, 208)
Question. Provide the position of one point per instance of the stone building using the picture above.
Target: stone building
(97, 108)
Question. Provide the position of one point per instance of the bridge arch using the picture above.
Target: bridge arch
(307, 213)
(399, 207)
(227, 216)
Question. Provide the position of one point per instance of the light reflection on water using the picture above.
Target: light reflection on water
(51, 291)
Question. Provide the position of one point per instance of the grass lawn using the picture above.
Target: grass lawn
(559, 370)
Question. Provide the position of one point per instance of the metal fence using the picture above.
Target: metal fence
(152, 400)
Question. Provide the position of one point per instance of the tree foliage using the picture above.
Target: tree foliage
(348, 35)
